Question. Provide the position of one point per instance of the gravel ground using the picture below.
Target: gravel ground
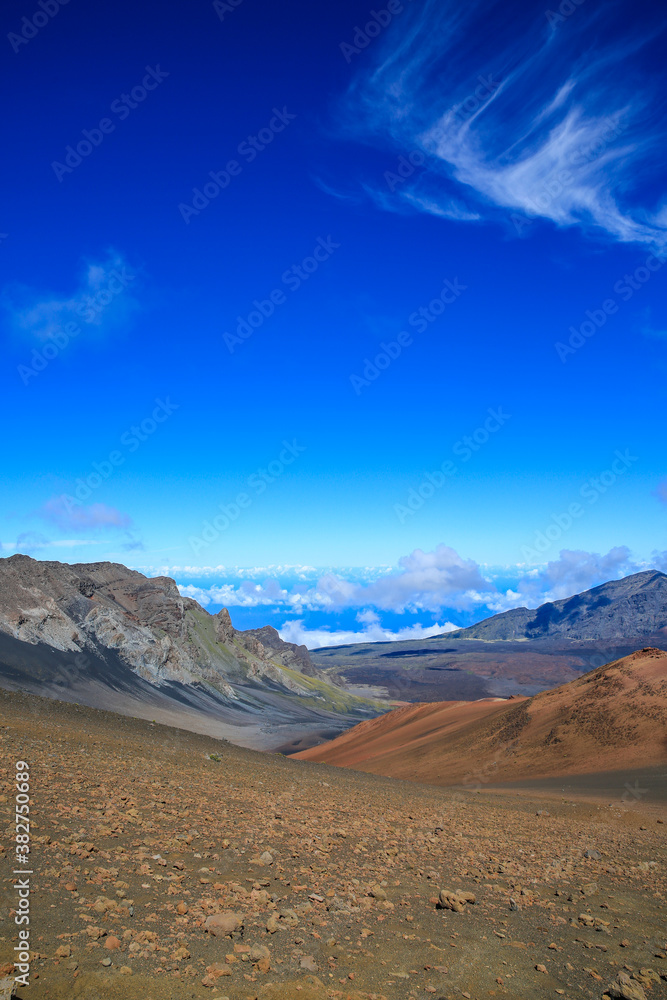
(161, 873)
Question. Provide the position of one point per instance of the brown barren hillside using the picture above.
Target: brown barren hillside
(614, 717)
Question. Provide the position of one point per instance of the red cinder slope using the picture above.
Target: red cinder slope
(614, 717)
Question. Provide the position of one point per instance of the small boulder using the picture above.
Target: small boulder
(257, 952)
(625, 988)
(223, 924)
(448, 900)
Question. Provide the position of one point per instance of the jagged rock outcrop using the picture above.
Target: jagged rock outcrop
(159, 634)
(287, 653)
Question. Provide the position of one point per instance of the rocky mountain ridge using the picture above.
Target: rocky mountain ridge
(161, 636)
(633, 606)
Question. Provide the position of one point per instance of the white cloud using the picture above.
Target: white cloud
(104, 299)
(659, 560)
(446, 208)
(428, 581)
(247, 595)
(368, 617)
(294, 631)
(510, 116)
(572, 573)
(298, 571)
(576, 571)
(424, 581)
(440, 582)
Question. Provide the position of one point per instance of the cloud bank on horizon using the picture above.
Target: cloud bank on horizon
(438, 583)
(516, 113)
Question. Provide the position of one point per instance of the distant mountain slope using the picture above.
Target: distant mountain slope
(94, 631)
(611, 718)
(634, 606)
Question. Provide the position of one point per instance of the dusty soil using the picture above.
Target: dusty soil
(139, 838)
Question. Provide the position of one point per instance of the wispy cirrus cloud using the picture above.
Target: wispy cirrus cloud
(103, 299)
(29, 542)
(66, 515)
(516, 115)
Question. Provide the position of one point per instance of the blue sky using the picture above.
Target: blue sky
(334, 317)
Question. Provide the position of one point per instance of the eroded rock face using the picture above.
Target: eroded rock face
(287, 653)
(159, 634)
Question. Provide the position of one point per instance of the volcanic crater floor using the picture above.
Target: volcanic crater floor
(142, 833)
